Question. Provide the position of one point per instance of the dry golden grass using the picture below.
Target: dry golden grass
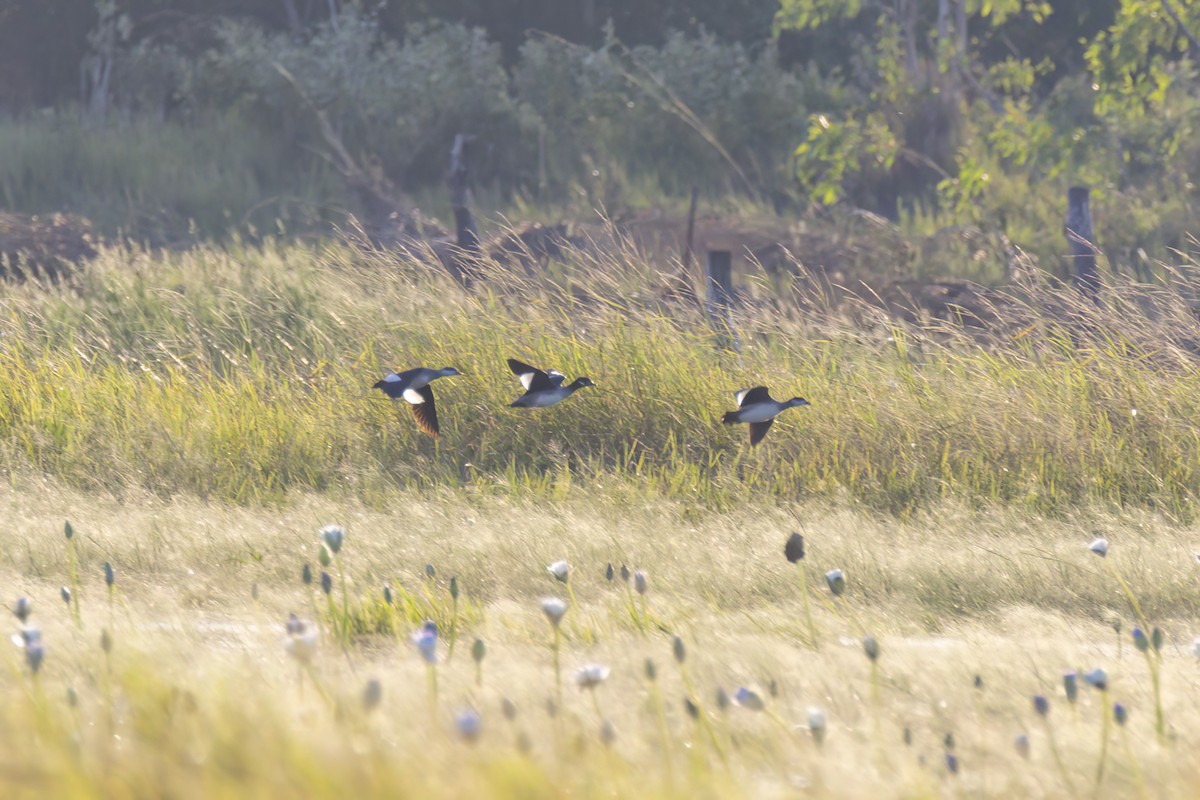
(200, 699)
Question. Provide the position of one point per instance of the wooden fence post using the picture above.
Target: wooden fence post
(1081, 238)
(466, 235)
(720, 297)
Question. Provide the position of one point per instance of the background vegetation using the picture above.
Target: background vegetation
(202, 118)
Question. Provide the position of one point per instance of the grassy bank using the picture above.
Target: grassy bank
(244, 375)
(197, 696)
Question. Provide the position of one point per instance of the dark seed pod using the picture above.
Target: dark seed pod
(794, 549)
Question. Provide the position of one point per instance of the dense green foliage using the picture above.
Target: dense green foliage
(938, 114)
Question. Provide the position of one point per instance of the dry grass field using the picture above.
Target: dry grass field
(199, 418)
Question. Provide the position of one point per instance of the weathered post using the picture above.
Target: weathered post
(1081, 237)
(467, 236)
(720, 297)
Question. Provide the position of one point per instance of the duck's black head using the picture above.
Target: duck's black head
(449, 372)
(579, 383)
(798, 401)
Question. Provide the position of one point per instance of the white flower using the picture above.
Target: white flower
(1099, 547)
(591, 676)
(1097, 678)
(836, 580)
(554, 608)
(426, 641)
(333, 536)
(561, 571)
(301, 643)
(816, 724)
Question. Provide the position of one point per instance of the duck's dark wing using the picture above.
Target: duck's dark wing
(532, 378)
(756, 394)
(425, 411)
(393, 385)
(758, 430)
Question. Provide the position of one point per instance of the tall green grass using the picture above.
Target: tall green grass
(244, 374)
(160, 181)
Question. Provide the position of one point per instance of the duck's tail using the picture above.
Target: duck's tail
(730, 418)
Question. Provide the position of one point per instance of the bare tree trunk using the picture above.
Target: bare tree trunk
(960, 25)
(293, 16)
(907, 15)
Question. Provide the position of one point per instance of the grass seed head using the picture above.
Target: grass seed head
(608, 733)
(609, 573)
(1021, 745)
(794, 549)
(478, 651)
(306, 575)
(34, 653)
(1097, 678)
(1120, 714)
(651, 670)
(333, 536)
(469, 725)
(68, 530)
(555, 608)
(816, 724)
(871, 648)
(23, 608)
(749, 699)
(590, 676)
(110, 575)
(65, 594)
(1041, 705)
(372, 695)
(639, 581)
(426, 641)
(326, 582)
(1099, 547)
(678, 649)
(836, 580)
(1071, 685)
(454, 588)
(1139, 640)
(301, 641)
(508, 708)
(560, 570)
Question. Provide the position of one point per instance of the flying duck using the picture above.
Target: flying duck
(543, 389)
(412, 385)
(756, 407)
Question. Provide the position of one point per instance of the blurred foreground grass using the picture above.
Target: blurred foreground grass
(198, 698)
(244, 374)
